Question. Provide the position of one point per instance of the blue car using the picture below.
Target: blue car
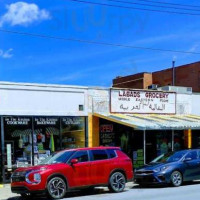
(172, 168)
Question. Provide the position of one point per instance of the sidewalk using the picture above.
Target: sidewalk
(5, 192)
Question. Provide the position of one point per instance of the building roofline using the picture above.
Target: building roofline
(185, 65)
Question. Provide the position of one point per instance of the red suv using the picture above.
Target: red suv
(75, 169)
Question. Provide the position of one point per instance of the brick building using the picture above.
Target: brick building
(185, 75)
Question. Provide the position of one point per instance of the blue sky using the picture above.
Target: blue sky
(39, 60)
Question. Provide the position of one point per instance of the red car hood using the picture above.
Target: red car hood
(40, 167)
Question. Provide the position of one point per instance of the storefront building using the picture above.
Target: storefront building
(38, 120)
(144, 123)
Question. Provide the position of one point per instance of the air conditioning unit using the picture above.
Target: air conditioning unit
(177, 89)
(153, 87)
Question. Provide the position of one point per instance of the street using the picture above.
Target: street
(185, 192)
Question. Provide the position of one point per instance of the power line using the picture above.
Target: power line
(150, 5)
(95, 42)
(134, 8)
(167, 3)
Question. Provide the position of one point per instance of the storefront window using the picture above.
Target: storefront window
(46, 137)
(130, 140)
(196, 139)
(73, 132)
(157, 143)
(17, 144)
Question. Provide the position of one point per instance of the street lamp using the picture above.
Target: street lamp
(173, 71)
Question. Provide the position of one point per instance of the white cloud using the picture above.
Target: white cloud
(194, 48)
(6, 54)
(22, 13)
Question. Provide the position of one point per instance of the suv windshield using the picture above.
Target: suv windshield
(60, 157)
(169, 157)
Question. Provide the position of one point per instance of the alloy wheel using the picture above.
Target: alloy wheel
(117, 182)
(176, 178)
(56, 188)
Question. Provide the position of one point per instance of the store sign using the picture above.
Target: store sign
(146, 102)
(72, 120)
(17, 120)
(46, 121)
(107, 136)
(9, 156)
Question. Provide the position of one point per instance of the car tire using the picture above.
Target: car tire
(117, 182)
(56, 188)
(176, 179)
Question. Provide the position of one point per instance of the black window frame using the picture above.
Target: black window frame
(192, 152)
(78, 152)
(92, 157)
(114, 150)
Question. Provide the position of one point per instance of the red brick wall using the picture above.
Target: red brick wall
(136, 81)
(187, 76)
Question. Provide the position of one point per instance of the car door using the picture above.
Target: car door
(191, 163)
(80, 172)
(100, 168)
(198, 163)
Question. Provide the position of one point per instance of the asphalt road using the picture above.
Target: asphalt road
(133, 192)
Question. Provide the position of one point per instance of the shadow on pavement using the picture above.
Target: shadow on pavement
(164, 186)
(71, 194)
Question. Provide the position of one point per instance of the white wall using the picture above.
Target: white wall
(20, 99)
(196, 104)
(183, 104)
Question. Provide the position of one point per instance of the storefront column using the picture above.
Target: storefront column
(188, 138)
(33, 157)
(93, 130)
(2, 149)
(144, 134)
(172, 140)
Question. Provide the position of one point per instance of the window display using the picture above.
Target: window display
(17, 144)
(46, 137)
(73, 132)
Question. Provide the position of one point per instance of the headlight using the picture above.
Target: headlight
(164, 168)
(160, 169)
(33, 177)
(37, 177)
(157, 170)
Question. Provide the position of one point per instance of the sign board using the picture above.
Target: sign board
(9, 156)
(144, 102)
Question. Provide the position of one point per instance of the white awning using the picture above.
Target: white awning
(153, 121)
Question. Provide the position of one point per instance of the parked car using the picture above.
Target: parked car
(75, 169)
(171, 168)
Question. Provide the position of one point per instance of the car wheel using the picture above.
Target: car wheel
(117, 182)
(176, 179)
(56, 188)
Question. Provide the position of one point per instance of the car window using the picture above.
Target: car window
(111, 153)
(81, 156)
(199, 154)
(193, 155)
(99, 155)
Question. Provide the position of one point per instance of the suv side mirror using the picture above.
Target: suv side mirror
(187, 159)
(74, 161)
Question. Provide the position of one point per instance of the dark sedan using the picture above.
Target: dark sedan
(172, 168)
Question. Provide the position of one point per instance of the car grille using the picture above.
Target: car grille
(146, 172)
(18, 176)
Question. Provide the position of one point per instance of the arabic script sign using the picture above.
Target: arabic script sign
(149, 102)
